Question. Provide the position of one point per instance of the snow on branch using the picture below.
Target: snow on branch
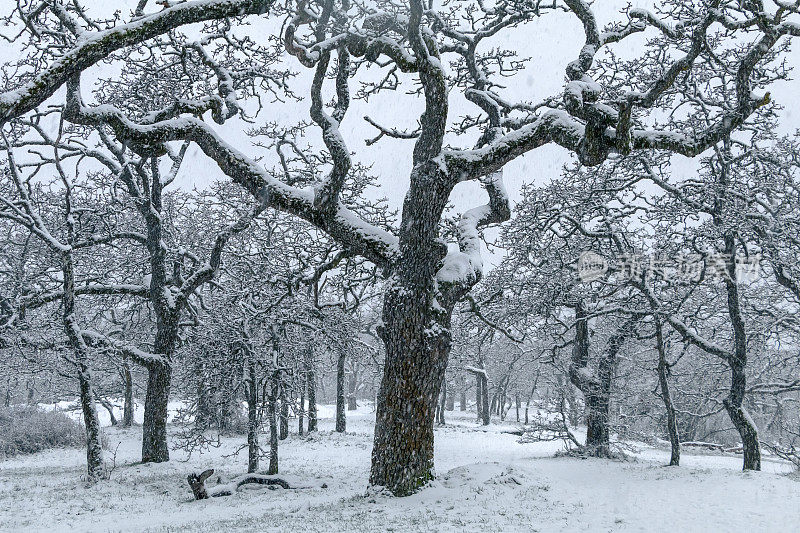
(94, 47)
(37, 300)
(97, 339)
(355, 234)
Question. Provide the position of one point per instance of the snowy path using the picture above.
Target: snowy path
(487, 482)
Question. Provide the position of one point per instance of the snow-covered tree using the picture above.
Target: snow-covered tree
(608, 106)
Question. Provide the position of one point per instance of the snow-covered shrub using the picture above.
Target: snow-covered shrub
(28, 429)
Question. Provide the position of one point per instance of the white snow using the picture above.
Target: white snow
(487, 481)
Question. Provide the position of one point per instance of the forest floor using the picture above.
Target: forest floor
(487, 481)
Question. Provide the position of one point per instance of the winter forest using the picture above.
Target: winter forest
(399, 265)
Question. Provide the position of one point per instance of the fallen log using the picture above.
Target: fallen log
(707, 445)
(201, 492)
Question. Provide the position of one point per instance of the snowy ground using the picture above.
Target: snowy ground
(487, 482)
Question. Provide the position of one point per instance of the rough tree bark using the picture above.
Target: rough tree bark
(596, 387)
(478, 398)
(486, 414)
(96, 468)
(252, 416)
(734, 403)
(301, 408)
(341, 417)
(283, 434)
(127, 380)
(154, 425)
(311, 384)
(663, 381)
(352, 388)
(418, 305)
(167, 315)
(416, 358)
(275, 385)
(741, 419)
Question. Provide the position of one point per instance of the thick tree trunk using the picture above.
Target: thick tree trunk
(518, 404)
(301, 411)
(598, 402)
(479, 397)
(596, 388)
(663, 381)
(598, 433)
(127, 380)
(154, 426)
(252, 418)
(417, 308)
(462, 400)
(741, 419)
(352, 385)
(597, 430)
(96, 468)
(341, 417)
(284, 416)
(273, 423)
(417, 341)
(486, 414)
(311, 384)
